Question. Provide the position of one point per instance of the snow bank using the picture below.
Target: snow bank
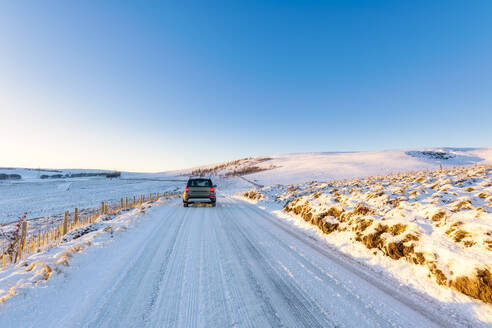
(37, 268)
(421, 226)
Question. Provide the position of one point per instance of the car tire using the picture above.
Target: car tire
(185, 204)
(213, 204)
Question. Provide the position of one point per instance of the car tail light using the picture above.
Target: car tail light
(186, 189)
(212, 189)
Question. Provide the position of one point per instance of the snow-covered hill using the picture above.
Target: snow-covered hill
(303, 167)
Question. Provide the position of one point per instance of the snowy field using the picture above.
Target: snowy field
(306, 167)
(43, 197)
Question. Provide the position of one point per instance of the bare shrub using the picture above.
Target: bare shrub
(13, 237)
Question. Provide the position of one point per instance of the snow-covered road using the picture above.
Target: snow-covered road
(233, 265)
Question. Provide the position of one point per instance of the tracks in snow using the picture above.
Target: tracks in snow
(232, 265)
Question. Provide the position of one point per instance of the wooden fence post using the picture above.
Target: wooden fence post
(21, 244)
(76, 217)
(65, 224)
(121, 203)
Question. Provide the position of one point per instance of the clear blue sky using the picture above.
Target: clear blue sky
(151, 86)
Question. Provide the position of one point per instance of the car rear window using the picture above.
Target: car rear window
(200, 183)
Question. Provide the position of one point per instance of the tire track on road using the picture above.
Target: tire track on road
(299, 305)
(417, 303)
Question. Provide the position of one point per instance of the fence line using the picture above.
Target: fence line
(36, 242)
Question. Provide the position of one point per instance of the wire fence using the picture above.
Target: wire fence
(24, 244)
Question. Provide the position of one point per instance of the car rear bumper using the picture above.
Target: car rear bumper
(200, 200)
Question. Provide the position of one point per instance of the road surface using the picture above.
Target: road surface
(230, 266)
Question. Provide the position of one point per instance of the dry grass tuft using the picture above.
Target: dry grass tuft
(410, 237)
(462, 204)
(394, 202)
(253, 194)
(335, 212)
(460, 235)
(46, 272)
(438, 216)
(397, 229)
(374, 240)
(441, 278)
(478, 286)
(398, 250)
(362, 209)
(31, 267)
(291, 189)
(9, 294)
(75, 249)
(328, 227)
(64, 259)
(482, 195)
(362, 224)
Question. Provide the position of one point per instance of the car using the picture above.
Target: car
(199, 190)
